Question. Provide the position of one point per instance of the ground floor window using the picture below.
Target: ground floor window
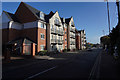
(65, 46)
(42, 47)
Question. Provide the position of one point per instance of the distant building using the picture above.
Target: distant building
(82, 39)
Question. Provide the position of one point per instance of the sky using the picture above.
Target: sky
(90, 16)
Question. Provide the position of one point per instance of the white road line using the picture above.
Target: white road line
(40, 73)
(95, 66)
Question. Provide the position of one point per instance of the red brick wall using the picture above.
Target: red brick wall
(31, 33)
(77, 42)
(10, 34)
(41, 41)
(65, 36)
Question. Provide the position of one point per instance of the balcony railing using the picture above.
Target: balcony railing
(60, 41)
(54, 40)
(55, 31)
(60, 32)
(72, 36)
(72, 42)
(72, 30)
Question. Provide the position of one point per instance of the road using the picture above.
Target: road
(83, 65)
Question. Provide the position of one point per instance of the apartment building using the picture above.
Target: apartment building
(27, 22)
(55, 32)
(29, 25)
(82, 39)
(70, 33)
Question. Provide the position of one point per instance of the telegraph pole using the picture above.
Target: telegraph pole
(108, 16)
(117, 3)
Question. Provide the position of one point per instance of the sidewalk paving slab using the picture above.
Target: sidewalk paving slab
(109, 67)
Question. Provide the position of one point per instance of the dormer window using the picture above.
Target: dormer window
(42, 15)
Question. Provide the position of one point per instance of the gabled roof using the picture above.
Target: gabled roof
(67, 20)
(47, 17)
(81, 31)
(33, 10)
(26, 13)
(62, 20)
(11, 16)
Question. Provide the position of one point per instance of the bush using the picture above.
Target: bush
(68, 49)
(65, 50)
(75, 49)
(118, 46)
(42, 52)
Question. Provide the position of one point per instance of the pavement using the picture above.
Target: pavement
(109, 67)
(81, 65)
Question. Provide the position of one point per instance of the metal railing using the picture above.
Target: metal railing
(54, 31)
(54, 40)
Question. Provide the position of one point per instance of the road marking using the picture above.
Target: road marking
(40, 73)
(97, 63)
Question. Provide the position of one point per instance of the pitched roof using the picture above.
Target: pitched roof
(26, 13)
(33, 10)
(61, 19)
(67, 20)
(11, 16)
(47, 17)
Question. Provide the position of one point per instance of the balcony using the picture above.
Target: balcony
(72, 42)
(54, 31)
(57, 23)
(60, 32)
(72, 30)
(60, 41)
(54, 41)
(72, 36)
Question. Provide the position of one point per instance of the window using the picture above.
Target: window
(56, 20)
(65, 39)
(65, 32)
(42, 25)
(52, 36)
(42, 15)
(42, 47)
(65, 46)
(42, 36)
(72, 23)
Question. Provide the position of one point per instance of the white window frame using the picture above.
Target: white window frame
(41, 25)
(42, 15)
(43, 36)
(42, 47)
